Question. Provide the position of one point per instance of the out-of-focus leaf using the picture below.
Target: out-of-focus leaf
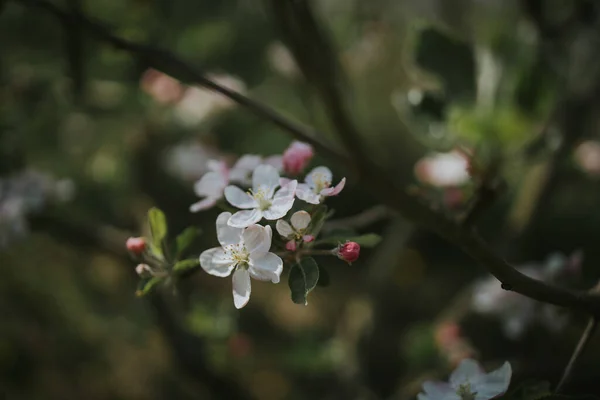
(158, 229)
(185, 265)
(368, 240)
(318, 218)
(303, 278)
(185, 239)
(147, 285)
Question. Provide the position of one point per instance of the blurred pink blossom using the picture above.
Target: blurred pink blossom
(161, 87)
(297, 157)
(587, 156)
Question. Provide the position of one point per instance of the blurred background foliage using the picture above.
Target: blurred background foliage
(512, 83)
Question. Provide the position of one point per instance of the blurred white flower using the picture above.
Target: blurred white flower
(587, 156)
(189, 160)
(197, 103)
(211, 186)
(262, 200)
(443, 169)
(247, 252)
(26, 193)
(281, 60)
(469, 382)
(518, 312)
(161, 87)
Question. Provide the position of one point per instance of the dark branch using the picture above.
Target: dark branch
(583, 342)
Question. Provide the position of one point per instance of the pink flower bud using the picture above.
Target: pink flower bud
(291, 245)
(136, 245)
(349, 252)
(308, 238)
(296, 157)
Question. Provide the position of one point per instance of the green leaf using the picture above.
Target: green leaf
(185, 239)
(185, 265)
(146, 285)
(158, 229)
(303, 278)
(368, 240)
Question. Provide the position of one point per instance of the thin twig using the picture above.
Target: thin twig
(360, 220)
(583, 342)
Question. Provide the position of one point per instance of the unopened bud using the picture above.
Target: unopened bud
(143, 270)
(308, 238)
(296, 157)
(349, 252)
(136, 245)
(291, 245)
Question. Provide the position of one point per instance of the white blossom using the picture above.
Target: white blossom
(317, 185)
(443, 169)
(262, 200)
(211, 185)
(469, 382)
(242, 170)
(245, 252)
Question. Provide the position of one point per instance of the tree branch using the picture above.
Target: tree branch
(372, 176)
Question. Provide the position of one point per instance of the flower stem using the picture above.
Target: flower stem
(583, 341)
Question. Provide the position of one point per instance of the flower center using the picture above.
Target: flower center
(238, 253)
(320, 182)
(465, 393)
(261, 198)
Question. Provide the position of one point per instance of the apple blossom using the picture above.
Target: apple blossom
(211, 185)
(317, 185)
(296, 232)
(469, 382)
(242, 170)
(296, 157)
(262, 200)
(245, 252)
(136, 245)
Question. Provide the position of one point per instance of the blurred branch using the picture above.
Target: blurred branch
(360, 220)
(373, 177)
(74, 43)
(188, 348)
(583, 342)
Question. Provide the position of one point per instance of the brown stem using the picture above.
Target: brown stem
(583, 342)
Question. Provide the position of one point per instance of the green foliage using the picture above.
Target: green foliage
(185, 265)
(318, 218)
(185, 239)
(158, 230)
(303, 278)
(147, 284)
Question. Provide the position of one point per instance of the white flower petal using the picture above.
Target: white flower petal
(304, 192)
(238, 198)
(210, 185)
(284, 228)
(241, 287)
(437, 390)
(333, 191)
(203, 204)
(467, 370)
(284, 181)
(274, 161)
(227, 234)
(318, 173)
(494, 384)
(216, 165)
(266, 266)
(265, 178)
(257, 239)
(279, 208)
(247, 162)
(287, 191)
(245, 218)
(216, 262)
(300, 220)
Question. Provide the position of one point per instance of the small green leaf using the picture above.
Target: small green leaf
(146, 285)
(303, 278)
(158, 229)
(368, 240)
(185, 265)
(185, 239)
